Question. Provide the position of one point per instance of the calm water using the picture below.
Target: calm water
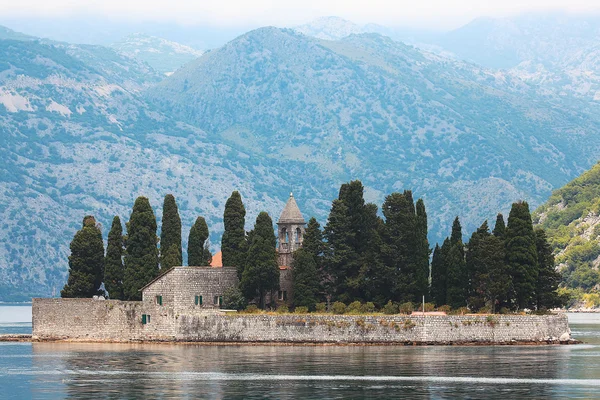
(106, 371)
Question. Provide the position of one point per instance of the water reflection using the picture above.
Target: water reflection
(190, 371)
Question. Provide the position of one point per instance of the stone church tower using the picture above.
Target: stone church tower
(291, 226)
(290, 234)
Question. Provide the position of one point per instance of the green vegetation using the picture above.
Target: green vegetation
(141, 257)
(170, 235)
(113, 262)
(198, 252)
(572, 224)
(233, 243)
(86, 262)
(261, 273)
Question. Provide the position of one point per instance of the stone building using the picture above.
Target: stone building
(290, 235)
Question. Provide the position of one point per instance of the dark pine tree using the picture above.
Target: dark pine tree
(261, 274)
(457, 278)
(521, 256)
(500, 227)
(352, 239)
(548, 280)
(141, 253)
(233, 243)
(313, 241)
(338, 251)
(198, 254)
(86, 262)
(400, 245)
(422, 251)
(439, 273)
(170, 235)
(305, 279)
(113, 262)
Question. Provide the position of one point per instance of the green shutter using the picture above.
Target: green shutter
(285, 295)
(144, 319)
(220, 300)
(200, 299)
(196, 300)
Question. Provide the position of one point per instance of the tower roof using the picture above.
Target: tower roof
(291, 213)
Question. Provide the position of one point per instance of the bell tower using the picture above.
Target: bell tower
(290, 231)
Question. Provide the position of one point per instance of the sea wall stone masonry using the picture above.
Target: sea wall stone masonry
(122, 321)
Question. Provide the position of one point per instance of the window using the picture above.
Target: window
(282, 295)
(159, 300)
(218, 300)
(145, 319)
(198, 300)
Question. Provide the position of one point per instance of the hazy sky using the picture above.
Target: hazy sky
(423, 13)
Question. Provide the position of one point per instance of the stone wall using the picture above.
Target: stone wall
(86, 319)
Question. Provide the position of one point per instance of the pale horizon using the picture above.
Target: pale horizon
(427, 14)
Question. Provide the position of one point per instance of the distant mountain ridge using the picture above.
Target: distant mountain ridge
(163, 55)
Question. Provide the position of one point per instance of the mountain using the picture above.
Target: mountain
(471, 141)
(77, 140)
(571, 217)
(161, 54)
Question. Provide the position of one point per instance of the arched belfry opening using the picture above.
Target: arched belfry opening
(290, 225)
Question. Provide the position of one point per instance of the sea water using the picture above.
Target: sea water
(112, 371)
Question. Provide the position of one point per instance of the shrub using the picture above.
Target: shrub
(407, 308)
(461, 311)
(251, 309)
(234, 299)
(338, 308)
(282, 309)
(354, 308)
(301, 310)
(390, 308)
(428, 307)
(368, 307)
(504, 310)
(445, 308)
(321, 307)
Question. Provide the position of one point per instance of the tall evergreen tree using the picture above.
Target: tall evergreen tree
(233, 243)
(500, 227)
(521, 255)
(548, 280)
(170, 235)
(305, 279)
(113, 262)
(422, 251)
(313, 241)
(439, 273)
(352, 242)
(261, 274)
(141, 254)
(86, 262)
(457, 278)
(400, 238)
(198, 254)
(487, 271)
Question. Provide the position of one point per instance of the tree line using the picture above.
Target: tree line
(359, 255)
(134, 259)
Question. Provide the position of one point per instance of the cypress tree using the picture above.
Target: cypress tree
(198, 254)
(521, 255)
(338, 252)
(498, 277)
(439, 273)
(170, 235)
(422, 251)
(500, 227)
(261, 274)
(305, 279)
(313, 241)
(548, 278)
(141, 254)
(233, 243)
(400, 244)
(113, 262)
(86, 262)
(457, 278)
